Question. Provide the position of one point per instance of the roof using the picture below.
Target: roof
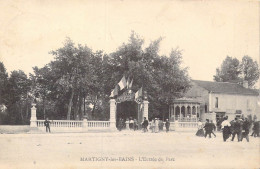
(186, 100)
(225, 87)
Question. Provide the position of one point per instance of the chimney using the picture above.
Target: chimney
(245, 83)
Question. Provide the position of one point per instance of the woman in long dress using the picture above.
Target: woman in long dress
(200, 132)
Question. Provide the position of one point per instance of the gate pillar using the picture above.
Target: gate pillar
(146, 109)
(112, 114)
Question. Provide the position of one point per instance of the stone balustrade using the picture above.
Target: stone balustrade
(73, 125)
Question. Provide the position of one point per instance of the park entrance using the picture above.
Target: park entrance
(126, 106)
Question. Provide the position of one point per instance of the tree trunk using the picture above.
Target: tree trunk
(70, 104)
(77, 109)
(21, 113)
(44, 113)
(27, 109)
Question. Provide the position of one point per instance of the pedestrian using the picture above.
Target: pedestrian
(47, 125)
(156, 124)
(208, 128)
(245, 130)
(135, 125)
(213, 126)
(237, 130)
(131, 123)
(255, 129)
(153, 125)
(160, 125)
(200, 132)
(145, 125)
(120, 124)
(225, 128)
(167, 125)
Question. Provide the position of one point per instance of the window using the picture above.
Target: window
(216, 102)
(206, 108)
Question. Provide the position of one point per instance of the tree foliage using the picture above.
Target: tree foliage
(250, 70)
(62, 88)
(232, 70)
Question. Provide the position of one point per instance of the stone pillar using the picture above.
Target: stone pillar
(146, 109)
(112, 114)
(85, 124)
(33, 120)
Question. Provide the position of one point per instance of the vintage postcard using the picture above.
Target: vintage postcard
(129, 84)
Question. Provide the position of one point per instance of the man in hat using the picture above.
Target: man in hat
(47, 125)
(208, 128)
(245, 131)
(145, 125)
(167, 125)
(237, 130)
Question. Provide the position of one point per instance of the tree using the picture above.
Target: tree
(232, 70)
(3, 92)
(250, 70)
(76, 71)
(18, 100)
(160, 76)
(229, 70)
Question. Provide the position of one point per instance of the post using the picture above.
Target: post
(112, 114)
(33, 120)
(146, 109)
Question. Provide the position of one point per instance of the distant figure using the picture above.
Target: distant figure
(208, 128)
(47, 125)
(245, 130)
(200, 132)
(213, 127)
(156, 125)
(153, 125)
(120, 124)
(237, 130)
(135, 125)
(225, 127)
(160, 125)
(255, 129)
(131, 123)
(167, 125)
(145, 125)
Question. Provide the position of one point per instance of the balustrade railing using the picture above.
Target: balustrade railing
(98, 124)
(187, 124)
(74, 124)
(61, 123)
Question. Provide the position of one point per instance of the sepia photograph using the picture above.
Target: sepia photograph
(118, 84)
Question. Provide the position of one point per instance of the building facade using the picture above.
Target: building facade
(218, 99)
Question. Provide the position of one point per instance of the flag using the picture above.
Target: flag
(122, 83)
(138, 93)
(114, 92)
(130, 85)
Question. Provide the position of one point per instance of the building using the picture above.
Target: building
(215, 100)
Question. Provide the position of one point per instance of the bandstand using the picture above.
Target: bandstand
(184, 110)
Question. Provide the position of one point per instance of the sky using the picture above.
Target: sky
(206, 31)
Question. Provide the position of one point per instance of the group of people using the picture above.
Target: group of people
(209, 127)
(239, 127)
(156, 125)
(133, 124)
